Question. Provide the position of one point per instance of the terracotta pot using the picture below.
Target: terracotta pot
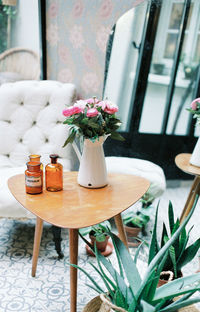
(161, 282)
(169, 277)
(132, 233)
(105, 247)
(101, 246)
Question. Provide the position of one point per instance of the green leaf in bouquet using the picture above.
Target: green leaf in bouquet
(68, 121)
(92, 124)
(89, 133)
(117, 136)
(70, 138)
(84, 121)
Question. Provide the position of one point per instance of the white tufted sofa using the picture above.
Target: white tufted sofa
(31, 123)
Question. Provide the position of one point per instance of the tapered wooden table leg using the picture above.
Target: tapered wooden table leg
(73, 250)
(36, 245)
(120, 228)
(195, 189)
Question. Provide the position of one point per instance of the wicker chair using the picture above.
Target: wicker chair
(24, 62)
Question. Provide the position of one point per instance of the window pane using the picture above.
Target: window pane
(176, 14)
(182, 97)
(3, 27)
(197, 50)
(170, 45)
(190, 14)
(123, 62)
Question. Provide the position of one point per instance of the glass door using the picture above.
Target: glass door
(157, 126)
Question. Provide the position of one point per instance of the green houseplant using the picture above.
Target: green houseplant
(179, 253)
(128, 291)
(134, 222)
(98, 235)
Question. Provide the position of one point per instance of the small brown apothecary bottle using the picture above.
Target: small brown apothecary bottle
(54, 175)
(35, 158)
(33, 178)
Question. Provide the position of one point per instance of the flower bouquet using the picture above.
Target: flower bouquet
(195, 109)
(91, 119)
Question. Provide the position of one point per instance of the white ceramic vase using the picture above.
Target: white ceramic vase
(195, 158)
(92, 171)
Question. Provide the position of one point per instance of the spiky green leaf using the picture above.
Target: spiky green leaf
(188, 254)
(154, 243)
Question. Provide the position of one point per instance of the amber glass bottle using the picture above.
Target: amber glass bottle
(33, 178)
(35, 158)
(54, 175)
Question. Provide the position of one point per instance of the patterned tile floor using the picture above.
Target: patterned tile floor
(49, 290)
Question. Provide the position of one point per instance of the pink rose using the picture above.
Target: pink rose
(71, 110)
(81, 104)
(92, 100)
(101, 104)
(92, 112)
(110, 108)
(194, 103)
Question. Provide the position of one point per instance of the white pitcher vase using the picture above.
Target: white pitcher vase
(195, 158)
(92, 170)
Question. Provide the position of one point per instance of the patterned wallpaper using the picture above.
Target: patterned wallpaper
(77, 33)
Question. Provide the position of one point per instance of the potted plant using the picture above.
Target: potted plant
(126, 290)
(190, 70)
(134, 222)
(98, 235)
(179, 253)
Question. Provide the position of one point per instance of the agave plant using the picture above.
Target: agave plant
(125, 288)
(178, 253)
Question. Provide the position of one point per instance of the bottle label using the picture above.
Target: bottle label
(32, 181)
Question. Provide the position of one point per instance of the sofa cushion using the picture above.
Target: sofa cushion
(142, 168)
(9, 207)
(31, 120)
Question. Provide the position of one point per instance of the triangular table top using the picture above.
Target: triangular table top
(76, 207)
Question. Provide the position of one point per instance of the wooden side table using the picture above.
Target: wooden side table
(76, 207)
(183, 162)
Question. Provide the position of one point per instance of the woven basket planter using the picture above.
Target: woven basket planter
(102, 304)
(9, 2)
